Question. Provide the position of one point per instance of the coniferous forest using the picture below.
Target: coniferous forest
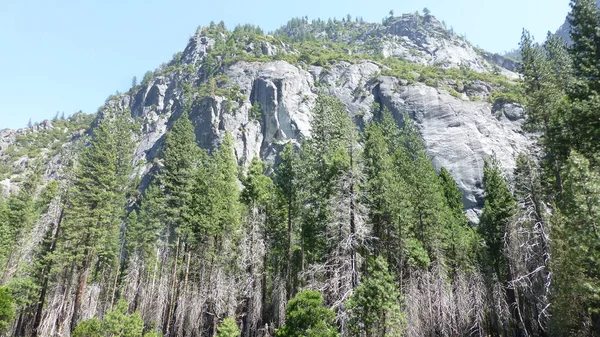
(352, 232)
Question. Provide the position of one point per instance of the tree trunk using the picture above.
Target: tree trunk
(171, 303)
(288, 262)
(353, 226)
(81, 286)
(45, 277)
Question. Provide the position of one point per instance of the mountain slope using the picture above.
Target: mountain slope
(261, 88)
(565, 28)
(444, 85)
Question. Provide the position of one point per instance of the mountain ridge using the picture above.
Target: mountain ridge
(410, 63)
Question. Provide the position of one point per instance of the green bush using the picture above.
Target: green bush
(228, 328)
(7, 309)
(118, 322)
(305, 316)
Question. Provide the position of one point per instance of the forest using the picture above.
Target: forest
(353, 232)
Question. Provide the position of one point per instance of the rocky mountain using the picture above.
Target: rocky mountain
(262, 87)
(565, 28)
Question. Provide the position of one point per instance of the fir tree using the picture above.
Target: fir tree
(498, 209)
(7, 310)
(376, 305)
(91, 231)
(584, 95)
(577, 250)
(288, 195)
(180, 155)
(307, 317)
(228, 328)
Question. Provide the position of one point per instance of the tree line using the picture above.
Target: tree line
(350, 233)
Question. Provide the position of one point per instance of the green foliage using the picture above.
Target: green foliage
(228, 328)
(324, 157)
(97, 198)
(42, 144)
(148, 77)
(17, 216)
(7, 309)
(144, 227)
(498, 209)
(506, 90)
(376, 305)
(255, 112)
(577, 250)
(117, 322)
(562, 100)
(180, 156)
(257, 186)
(307, 317)
(215, 203)
(583, 117)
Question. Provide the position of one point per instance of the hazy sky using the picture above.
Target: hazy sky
(70, 55)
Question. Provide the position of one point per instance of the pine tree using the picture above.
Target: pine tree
(91, 231)
(380, 177)
(547, 75)
(376, 305)
(288, 195)
(17, 215)
(144, 227)
(228, 328)
(461, 240)
(180, 155)
(584, 95)
(257, 196)
(307, 317)
(584, 19)
(117, 322)
(577, 251)
(427, 216)
(7, 310)
(498, 209)
(322, 164)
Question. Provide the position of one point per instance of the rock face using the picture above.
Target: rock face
(565, 28)
(459, 134)
(267, 104)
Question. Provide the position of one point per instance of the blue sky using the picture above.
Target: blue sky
(70, 55)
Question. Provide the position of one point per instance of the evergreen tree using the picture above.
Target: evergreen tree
(527, 248)
(288, 196)
(117, 323)
(228, 328)
(380, 174)
(577, 250)
(307, 317)
(322, 165)
(584, 19)
(375, 305)
(17, 215)
(498, 209)
(91, 231)
(452, 194)
(180, 155)
(427, 217)
(461, 240)
(546, 72)
(144, 227)
(7, 310)
(584, 95)
(257, 196)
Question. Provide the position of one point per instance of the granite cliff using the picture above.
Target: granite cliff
(261, 88)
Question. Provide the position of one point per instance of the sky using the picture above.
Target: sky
(70, 55)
